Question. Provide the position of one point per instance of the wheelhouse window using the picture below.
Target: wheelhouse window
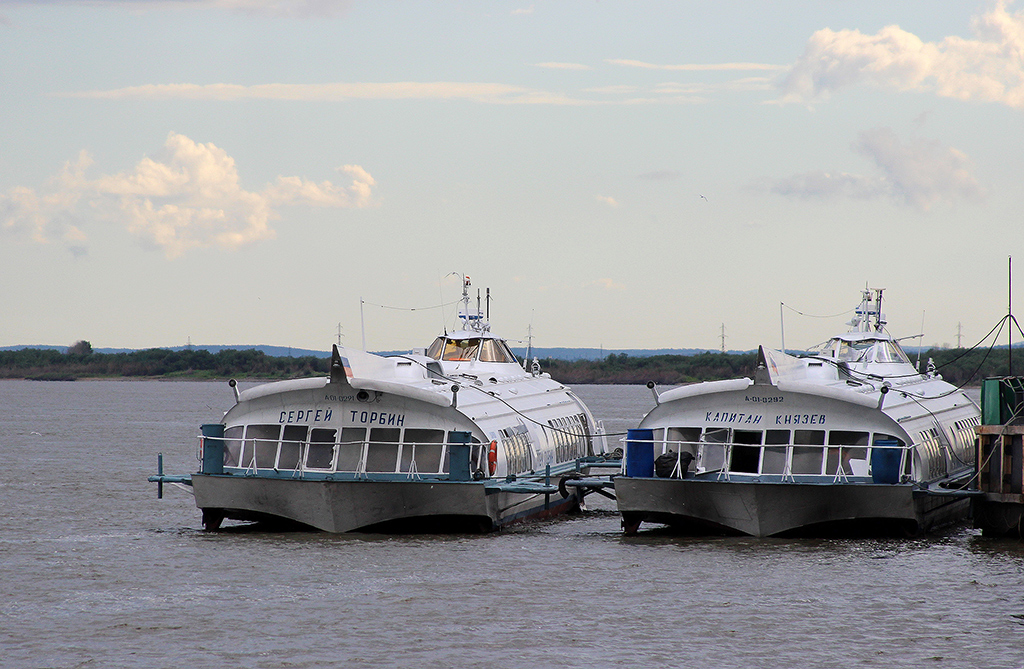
(461, 350)
(472, 348)
(495, 350)
(870, 350)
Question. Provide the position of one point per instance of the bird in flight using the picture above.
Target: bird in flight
(705, 199)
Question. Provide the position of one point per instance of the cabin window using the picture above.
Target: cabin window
(427, 444)
(713, 454)
(260, 447)
(382, 451)
(684, 439)
(321, 448)
(775, 456)
(350, 450)
(233, 445)
(807, 460)
(845, 455)
(291, 446)
(745, 456)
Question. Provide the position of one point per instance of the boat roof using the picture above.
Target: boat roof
(863, 336)
(470, 334)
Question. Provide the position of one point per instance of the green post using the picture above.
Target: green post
(213, 448)
(458, 456)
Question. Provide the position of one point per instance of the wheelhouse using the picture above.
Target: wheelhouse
(470, 347)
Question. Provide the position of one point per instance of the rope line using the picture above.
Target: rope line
(386, 306)
(797, 311)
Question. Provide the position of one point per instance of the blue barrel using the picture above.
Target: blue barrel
(213, 448)
(640, 453)
(885, 461)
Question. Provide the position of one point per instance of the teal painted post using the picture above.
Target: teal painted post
(547, 482)
(458, 456)
(213, 448)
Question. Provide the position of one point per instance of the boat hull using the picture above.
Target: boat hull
(368, 505)
(764, 509)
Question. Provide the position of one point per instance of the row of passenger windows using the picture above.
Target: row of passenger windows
(356, 449)
(571, 435)
(964, 437)
(518, 449)
(822, 452)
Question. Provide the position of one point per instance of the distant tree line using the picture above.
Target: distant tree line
(958, 366)
(81, 362)
(662, 369)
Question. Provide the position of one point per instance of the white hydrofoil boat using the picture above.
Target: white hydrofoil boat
(459, 437)
(851, 438)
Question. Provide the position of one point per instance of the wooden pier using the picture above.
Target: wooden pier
(1000, 477)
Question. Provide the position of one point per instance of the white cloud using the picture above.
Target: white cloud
(286, 8)
(564, 66)
(275, 8)
(522, 11)
(825, 184)
(610, 201)
(660, 175)
(919, 173)
(989, 68)
(188, 196)
(485, 93)
(440, 90)
(696, 67)
(605, 284)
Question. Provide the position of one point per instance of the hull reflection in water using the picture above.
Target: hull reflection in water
(851, 438)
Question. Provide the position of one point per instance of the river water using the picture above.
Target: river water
(96, 572)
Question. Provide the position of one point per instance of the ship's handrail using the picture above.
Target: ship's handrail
(838, 474)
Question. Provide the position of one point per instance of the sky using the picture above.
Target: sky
(620, 174)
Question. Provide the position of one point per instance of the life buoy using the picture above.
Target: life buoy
(492, 458)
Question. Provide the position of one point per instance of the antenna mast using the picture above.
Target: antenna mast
(782, 327)
(362, 322)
